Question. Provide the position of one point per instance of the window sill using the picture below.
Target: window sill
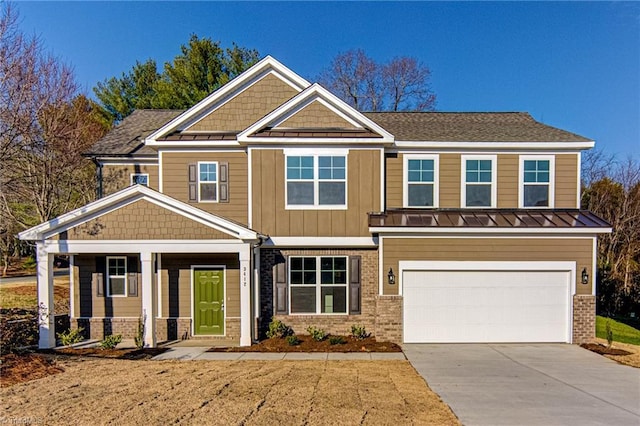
(310, 207)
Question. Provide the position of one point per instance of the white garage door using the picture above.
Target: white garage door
(486, 306)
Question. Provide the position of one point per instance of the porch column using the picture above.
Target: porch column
(245, 296)
(47, 335)
(146, 261)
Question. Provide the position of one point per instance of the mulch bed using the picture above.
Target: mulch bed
(134, 354)
(23, 368)
(603, 350)
(307, 344)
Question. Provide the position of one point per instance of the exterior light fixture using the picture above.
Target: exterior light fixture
(391, 276)
(585, 276)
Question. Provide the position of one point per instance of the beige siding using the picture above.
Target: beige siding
(577, 250)
(508, 178)
(175, 175)
(247, 107)
(450, 180)
(566, 181)
(176, 282)
(142, 220)
(316, 115)
(393, 184)
(115, 178)
(270, 216)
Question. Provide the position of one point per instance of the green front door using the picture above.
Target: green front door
(208, 300)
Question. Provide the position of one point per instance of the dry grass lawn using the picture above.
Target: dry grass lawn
(633, 360)
(24, 295)
(104, 391)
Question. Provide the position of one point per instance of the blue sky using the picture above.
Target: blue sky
(573, 65)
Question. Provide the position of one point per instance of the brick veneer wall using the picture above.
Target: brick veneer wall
(98, 328)
(389, 318)
(584, 318)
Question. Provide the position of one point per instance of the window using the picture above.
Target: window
(479, 184)
(318, 181)
(208, 182)
(536, 181)
(318, 285)
(140, 179)
(116, 276)
(420, 187)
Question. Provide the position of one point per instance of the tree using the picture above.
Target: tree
(402, 84)
(202, 67)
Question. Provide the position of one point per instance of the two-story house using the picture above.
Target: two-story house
(272, 198)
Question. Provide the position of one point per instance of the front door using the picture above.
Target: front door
(208, 300)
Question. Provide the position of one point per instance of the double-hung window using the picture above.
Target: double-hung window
(420, 177)
(318, 284)
(208, 181)
(536, 181)
(140, 179)
(479, 181)
(316, 181)
(116, 276)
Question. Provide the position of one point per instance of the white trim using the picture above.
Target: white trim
(316, 179)
(160, 174)
(435, 183)
(551, 185)
(325, 152)
(131, 175)
(495, 145)
(579, 181)
(381, 266)
(311, 93)
(320, 242)
(224, 297)
(131, 246)
(159, 283)
(463, 179)
(594, 267)
(147, 296)
(488, 230)
(249, 189)
(150, 162)
(72, 283)
(264, 66)
(318, 284)
(217, 181)
(44, 272)
(108, 277)
(420, 265)
(383, 181)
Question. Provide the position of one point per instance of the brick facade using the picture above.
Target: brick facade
(584, 318)
(389, 318)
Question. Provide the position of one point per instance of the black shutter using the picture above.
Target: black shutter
(132, 276)
(193, 182)
(281, 297)
(354, 285)
(97, 278)
(223, 182)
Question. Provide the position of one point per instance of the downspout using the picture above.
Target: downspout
(98, 164)
(255, 332)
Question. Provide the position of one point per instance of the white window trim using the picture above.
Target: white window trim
(109, 276)
(132, 175)
(200, 200)
(316, 180)
(494, 180)
(552, 180)
(318, 286)
(405, 179)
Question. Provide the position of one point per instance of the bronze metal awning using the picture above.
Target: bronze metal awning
(200, 137)
(493, 218)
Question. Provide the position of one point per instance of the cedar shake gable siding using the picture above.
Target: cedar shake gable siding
(315, 116)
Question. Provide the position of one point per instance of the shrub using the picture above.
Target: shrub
(139, 338)
(110, 341)
(17, 331)
(359, 332)
(71, 336)
(337, 340)
(316, 334)
(609, 333)
(278, 329)
(293, 340)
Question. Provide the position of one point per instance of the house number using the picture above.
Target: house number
(244, 276)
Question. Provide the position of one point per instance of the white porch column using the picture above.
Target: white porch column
(245, 296)
(45, 298)
(72, 289)
(146, 261)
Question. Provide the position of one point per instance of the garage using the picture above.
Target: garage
(467, 302)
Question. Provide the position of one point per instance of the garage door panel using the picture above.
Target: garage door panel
(486, 306)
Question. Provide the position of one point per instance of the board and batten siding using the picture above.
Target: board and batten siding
(508, 186)
(270, 216)
(175, 180)
(579, 250)
(176, 283)
(117, 177)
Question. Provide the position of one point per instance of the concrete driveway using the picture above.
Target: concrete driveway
(529, 384)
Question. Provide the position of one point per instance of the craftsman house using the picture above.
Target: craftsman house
(272, 198)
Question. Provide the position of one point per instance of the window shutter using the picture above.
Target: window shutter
(281, 297)
(354, 285)
(97, 278)
(193, 182)
(223, 182)
(132, 276)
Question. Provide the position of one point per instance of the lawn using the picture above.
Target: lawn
(24, 294)
(621, 332)
(107, 391)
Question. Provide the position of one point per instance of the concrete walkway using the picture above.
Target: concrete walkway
(200, 353)
(529, 384)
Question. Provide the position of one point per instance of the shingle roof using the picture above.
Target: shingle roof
(470, 127)
(127, 137)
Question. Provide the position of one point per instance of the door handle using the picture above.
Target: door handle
(222, 306)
